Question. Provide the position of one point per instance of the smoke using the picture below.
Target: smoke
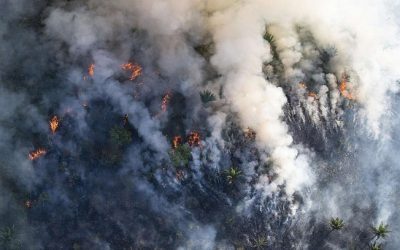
(238, 124)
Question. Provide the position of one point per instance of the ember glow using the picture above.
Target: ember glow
(165, 101)
(343, 88)
(313, 95)
(91, 70)
(37, 154)
(176, 142)
(199, 124)
(54, 123)
(134, 69)
(194, 139)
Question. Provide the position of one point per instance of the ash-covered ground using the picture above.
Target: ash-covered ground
(199, 124)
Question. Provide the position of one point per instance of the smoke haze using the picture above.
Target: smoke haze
(199, 124)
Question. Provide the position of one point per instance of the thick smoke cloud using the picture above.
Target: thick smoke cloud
(198, 124)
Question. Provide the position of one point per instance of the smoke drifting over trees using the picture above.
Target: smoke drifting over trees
(201, 124)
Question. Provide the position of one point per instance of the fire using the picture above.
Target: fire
(176, 142)
(134, 68)
(302, 85)
(165, 101)
(37, 154)
(343, 88)
(313, 95)
(91, 70)
(194, 139)
(54, 123)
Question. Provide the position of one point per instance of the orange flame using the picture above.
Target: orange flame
(134, 68)
(302, 85)
(176, 142)
(165, 101)
(54, 123)
(37, 154)
(313, 95)
(344, 90)
(194, 139)
(91, 70)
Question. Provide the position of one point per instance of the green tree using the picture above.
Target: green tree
(336, 223)
(120, 136)
(381, 231)
(207, 96)
(232, 174)
(259, 242)
(375, 246)
(181, 155)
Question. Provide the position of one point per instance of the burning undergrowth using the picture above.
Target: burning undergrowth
(123, 127)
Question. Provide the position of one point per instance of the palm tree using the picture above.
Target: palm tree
(207, 96)
(336, 223)
(375, 246)
(259, 242)
(232, 174)
(381, 231)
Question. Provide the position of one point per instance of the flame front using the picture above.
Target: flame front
(194, 139)
(134, 68)
(176, 142)
(54, 123)
(165, 101)
(343, 88)
(37, 154)
(91, 70)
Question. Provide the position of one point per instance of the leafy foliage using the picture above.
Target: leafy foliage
(181, 155)
(381, 231)
(207, 96)
(120, 136)
(7, 234)
(259, 242)
(375, 246)
(276, 61)
(8, 238)
(336, 223)
(232, 174)
(205, 50)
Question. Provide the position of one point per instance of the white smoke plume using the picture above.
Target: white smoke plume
(294, 104)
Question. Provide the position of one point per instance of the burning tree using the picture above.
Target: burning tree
(91, 70)
(54, 123)
(194, 139)
(165, 101)
(134, 69)
(33, 155)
